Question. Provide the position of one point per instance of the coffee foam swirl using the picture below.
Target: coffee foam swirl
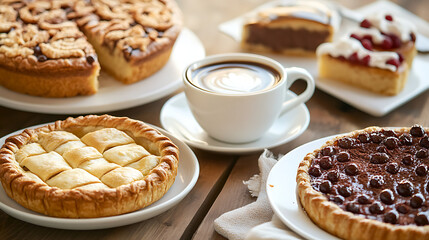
(235, 78)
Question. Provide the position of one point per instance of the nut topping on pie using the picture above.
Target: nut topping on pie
(102, 165)
(47, 46)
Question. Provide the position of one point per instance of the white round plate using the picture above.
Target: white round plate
(186, 178)
(281, 190)
(177, 118)
(112, 94)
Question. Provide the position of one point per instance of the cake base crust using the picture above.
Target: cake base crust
(376, 80)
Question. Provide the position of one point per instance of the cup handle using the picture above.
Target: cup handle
(294, 74)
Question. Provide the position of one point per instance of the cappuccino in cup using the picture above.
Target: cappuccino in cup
(236, 97)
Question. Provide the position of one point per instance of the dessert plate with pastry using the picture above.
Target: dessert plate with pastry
(93, 172)
(366, 184)
(377, 39)
(51, 53)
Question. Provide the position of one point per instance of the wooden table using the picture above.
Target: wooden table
(219, 188)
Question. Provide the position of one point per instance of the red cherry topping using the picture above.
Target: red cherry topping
(387, 43)
(365, 23)
(367, 44)
(396, 41)
(354, 58)
(413, 37)
(365, 60)
(394, 62)
(355, 36)
(389, 17)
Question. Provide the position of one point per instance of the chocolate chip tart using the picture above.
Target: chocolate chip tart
(87, 167)
(54, 48)
(369, 184)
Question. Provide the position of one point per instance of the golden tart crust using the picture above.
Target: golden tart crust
(344, 224)
(90, 166)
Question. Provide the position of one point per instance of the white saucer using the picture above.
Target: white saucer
(176, 117)
(187, 176)
(281, 191)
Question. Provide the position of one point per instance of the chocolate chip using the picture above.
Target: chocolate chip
(391, 217)
(389, 133)
(37, 51)
(378, 158)
(405, 188)
(417, 200)
(352, 207)
(333, 176)
(345, 191)
(376, 182)
(90, 59)
(325, 187)
(421, 219)
(386, 196)
(424, 142)
(376, 208)
(417, 131)
(422, 153)
(427, 187)
(391, 142)
(325, 162)
(382, 149)
(402, 208)
(364, 137)
(392, 168)
(315, 171)
(328, 151)
(406, 139)
(337, 199)
(351, 169)
(42, 58)
(421, 170)
(364, 199)
(346, 143)
(376, 137)
(343, 156)
(408, 160)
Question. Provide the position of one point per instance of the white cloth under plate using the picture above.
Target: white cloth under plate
(255, 220)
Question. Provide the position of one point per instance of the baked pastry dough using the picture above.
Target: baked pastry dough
(54, 48)
(369, 184)
(91, 166)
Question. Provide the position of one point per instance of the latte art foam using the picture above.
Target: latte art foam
(235, 78)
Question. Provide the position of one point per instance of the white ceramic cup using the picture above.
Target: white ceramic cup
(240, 118)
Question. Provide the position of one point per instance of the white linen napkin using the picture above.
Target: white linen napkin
(255, 220)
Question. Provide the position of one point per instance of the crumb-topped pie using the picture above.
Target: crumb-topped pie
(52, 48)
(92, 166)
(369, 184)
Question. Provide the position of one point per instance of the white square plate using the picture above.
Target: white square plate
(371, 103)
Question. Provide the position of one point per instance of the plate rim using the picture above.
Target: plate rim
(297, 228)
(237, 149)
(97, 107)
(112, 221)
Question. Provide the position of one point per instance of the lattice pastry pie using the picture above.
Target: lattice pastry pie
(92, 166)
(47, 46)
(369, 184)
